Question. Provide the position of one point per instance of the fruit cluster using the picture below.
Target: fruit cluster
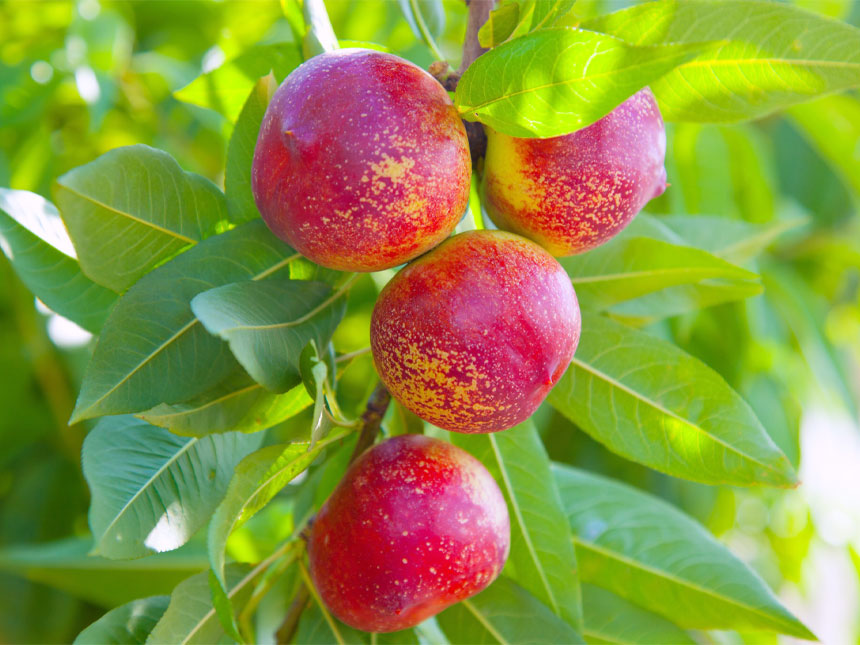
(363, 164)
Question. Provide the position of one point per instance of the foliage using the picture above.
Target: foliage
(226, 370)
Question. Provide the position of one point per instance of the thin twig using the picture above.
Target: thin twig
(371, 420)
(479, 12)
(288, 628)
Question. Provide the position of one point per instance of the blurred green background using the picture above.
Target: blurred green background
(80, 78)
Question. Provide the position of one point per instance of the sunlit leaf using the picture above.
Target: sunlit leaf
(645, 550)
(648, 401)
(775, 55)
(555, 81)
(611, 619)
(151, 490)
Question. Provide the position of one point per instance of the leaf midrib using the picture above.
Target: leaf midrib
(484, 622)
(655, 405)
(660, 573)
(526, 535)
(130, 216)
(728, 272)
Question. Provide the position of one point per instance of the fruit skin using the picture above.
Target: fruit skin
(472, 336)
(362, 162)
(415, 525)
(574, 192)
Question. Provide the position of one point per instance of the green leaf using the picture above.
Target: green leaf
(34, 239)
(500, 25)
(648, 401)
(67, 565)
(733, 240)
(540, 559)
(631, 267)
(504, 613)
(832, 125)
(236, 404)
(775, 55)
(190, 616)
(257, 479)
(555, 81)
(319, 35)
(647, 551)
(611, 619)
(152, 329)
(316, 628)
(267, 324)
(152, 490)
(129, 623)
(432, 14)
(804, 312)
(139, 200)
(240, 151)
(548, 12)
(226, 88)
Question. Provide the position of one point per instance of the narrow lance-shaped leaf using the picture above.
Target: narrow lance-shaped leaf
(152, 490)
(257, 479)
(504, 613)
(33, 237)
(238, 404)
(554, 81)
(152, 329)
(190, 617)
(500, 25)
(429, 12)
(69, 566)
(776, 55)
(631, 267)
(540, 559)
(240, 151)
(139, 200)
(269, 323)
(612, 619)
(129, 623)
(647, 400)
(319, 35)
(647, 551)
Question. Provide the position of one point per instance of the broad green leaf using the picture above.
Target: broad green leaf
(832, 125)
(647, 551)
(190, 616)
(236, 404)
(151, 490)
(139, 200)
(775, 55)
(317, 628)
(504, 613)
(256, 480)
(804, 312)
(500, 25)
(34, 239)
(631, 267)
(554, 81)
(548, 12)
(429, 12)
(647, 400)
(226, 88)
(611, 619)
(152, 330)
(67, 565)
(267, 324)
(240, 151)
(540, 559)
(319, 35)
(129, 623)
(733, 240)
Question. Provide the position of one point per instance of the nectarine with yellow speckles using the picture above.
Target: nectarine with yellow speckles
(574, 192)
(415, 525)
(362, 162)
(473, 335)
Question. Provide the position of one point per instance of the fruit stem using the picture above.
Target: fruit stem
(346, 358)
(371, 420)
(425, 32)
